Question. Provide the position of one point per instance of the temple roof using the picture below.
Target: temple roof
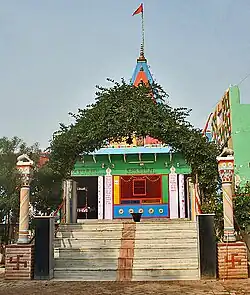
(142, 72)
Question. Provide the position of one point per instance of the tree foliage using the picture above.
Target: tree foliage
(242, 207)
(46, 190)
(124, 110)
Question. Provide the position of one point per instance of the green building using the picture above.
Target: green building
(230, 126)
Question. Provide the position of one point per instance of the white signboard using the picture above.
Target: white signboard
(100, 197)
(173, 195)
(108, 197)
(182, 196)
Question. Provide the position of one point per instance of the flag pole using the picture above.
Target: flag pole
(143, 32)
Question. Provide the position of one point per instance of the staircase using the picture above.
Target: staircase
(166, 251)
(127, 251)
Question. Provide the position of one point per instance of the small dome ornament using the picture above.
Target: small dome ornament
(25, 167)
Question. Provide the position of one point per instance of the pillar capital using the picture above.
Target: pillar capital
(226, 168)
(25, 167)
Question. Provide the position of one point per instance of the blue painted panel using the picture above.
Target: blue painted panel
(133, 150)
(144, 65)
(148, 211)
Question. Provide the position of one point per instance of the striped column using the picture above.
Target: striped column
(24, 216)
(226, 171)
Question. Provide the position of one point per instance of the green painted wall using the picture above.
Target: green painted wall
(165, 188)
(162, 165)
(240, 115)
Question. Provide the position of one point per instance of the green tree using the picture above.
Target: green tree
(46, 190)
(124, 110)
(242, 208)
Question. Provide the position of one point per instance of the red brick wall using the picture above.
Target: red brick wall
(19, 262)
(125, 260)
(232, 260)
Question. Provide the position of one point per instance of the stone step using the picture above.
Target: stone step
(166, 234)
(90, 253)
(115, 243)
(168, 226)
(91, 227)
(165, 274)
(167, 252)
(83, 274)
(139, 235)
(165, 242)
(165, 263)
(92, 263)
(171, 250)
(119, 223)
(116, 234)
(80, 274)
(87, 243)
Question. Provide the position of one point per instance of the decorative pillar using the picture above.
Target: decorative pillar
(226, 171)
(100, 197)
(182, 205)
(25, 167)
(173, 194)
(108, 186)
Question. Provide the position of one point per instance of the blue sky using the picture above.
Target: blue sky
(54, 52)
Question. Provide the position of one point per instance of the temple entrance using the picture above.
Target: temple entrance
(87, 198)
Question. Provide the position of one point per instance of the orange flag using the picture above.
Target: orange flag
(139, 10)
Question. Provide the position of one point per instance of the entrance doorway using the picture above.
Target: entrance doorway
(87, 197)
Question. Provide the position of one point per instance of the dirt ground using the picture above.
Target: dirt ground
(234, 287)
